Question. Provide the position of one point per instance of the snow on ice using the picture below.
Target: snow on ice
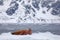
(34, 36)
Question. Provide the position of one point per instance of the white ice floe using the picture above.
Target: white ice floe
(34, 36)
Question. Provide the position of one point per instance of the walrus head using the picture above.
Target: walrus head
(30, 31)
(13, 33)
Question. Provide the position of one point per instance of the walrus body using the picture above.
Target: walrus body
(22, 32)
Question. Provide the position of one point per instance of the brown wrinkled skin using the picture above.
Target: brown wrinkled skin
(22, 32)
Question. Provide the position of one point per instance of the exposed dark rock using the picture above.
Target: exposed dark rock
(1, 2)
(19, 0)
(27, 6)
(27, 9)
(56, 8)
(56, 5)
(27, 12)
(33, 10)
(43, 20)
(54, 12)
(33, 15)
(43, 12)
(45, 3)
(10, 11)
(35, 4)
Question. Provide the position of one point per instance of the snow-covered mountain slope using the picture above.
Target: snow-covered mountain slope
(29, 11)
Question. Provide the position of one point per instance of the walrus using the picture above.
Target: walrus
(22, 32)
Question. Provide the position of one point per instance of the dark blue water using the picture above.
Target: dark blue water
(53, 28)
